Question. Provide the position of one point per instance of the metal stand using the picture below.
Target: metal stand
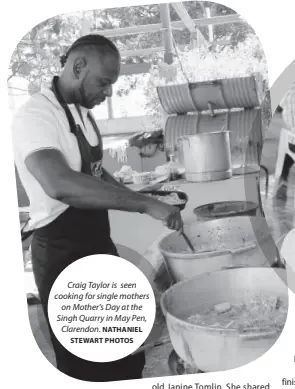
(259, 197)
(266, 178)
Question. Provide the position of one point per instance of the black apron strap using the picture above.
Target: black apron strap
(89, 154)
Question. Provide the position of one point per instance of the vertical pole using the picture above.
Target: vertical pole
(167, 34)
(85, 25)
(210, 26)
(110, 108)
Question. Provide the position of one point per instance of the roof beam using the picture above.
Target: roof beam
(141, 52)
(115, 32)
(151, 50)
(189, 23)
(136, 68)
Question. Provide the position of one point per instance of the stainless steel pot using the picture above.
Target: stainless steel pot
(213, 349)
(229, 242)
(207, 156)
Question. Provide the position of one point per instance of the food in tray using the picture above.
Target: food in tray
(171, 198)
(170, 188)
(141, 178)
(127, 175)
(258, 314)
(124, 174)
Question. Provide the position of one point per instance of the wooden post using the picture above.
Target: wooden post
(167, 34)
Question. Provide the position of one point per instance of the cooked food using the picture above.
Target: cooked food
(262, 313)
(171, 198)
(125, 173)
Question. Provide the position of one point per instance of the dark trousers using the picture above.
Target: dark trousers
(50, 256)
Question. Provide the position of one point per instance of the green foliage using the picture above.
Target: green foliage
(36, 57)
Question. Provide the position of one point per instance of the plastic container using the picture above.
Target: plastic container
(141, 178)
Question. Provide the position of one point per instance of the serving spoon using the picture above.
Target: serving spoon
(185, 237)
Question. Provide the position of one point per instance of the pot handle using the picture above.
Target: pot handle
(243, 249)
(212, 254)
(233, 267)
(227, 251)
(255, 336)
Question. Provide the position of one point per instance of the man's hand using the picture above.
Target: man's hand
(168, 214)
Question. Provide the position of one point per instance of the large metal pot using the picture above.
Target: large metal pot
(244, 126)
(213, 349)
(219, 244)
(207, 156)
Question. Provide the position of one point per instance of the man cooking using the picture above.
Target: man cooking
(58, 154)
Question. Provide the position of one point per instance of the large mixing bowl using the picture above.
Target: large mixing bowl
(219, 244)
(213, 349)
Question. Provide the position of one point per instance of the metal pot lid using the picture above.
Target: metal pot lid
(225, 208)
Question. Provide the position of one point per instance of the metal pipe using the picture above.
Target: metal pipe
(167, 34)
(110, 108)
(215, 20)
(190, 25)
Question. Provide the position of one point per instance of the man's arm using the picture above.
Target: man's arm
(76, 189)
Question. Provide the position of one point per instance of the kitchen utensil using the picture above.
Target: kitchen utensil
(226, 209)
(218, 349)
(188, 242)
(182, 196)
